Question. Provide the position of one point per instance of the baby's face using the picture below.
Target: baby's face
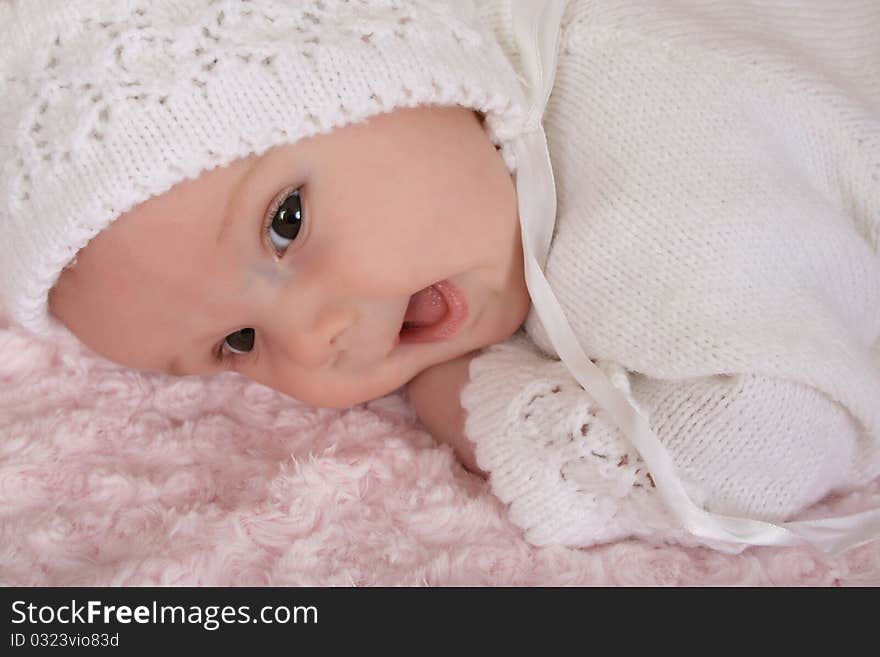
(296, 268)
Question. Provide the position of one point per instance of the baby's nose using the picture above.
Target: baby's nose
(316, 344)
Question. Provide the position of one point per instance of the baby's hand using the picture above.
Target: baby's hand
(435, 394)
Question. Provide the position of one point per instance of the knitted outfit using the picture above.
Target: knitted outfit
(717, 234)
(716, 251)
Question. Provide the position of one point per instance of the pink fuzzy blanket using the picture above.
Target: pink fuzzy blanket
(111, 477)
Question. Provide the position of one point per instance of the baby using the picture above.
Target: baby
(325, 196)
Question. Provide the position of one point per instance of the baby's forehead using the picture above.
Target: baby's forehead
(133, 291)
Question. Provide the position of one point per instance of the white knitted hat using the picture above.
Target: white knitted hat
(109, 102)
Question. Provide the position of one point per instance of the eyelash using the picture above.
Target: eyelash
(227, 358)
(223, 357)
(270, 214)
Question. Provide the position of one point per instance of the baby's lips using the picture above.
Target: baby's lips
(445, 315)
(426, 307)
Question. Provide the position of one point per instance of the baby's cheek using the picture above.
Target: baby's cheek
(331, 390)
(514, 312)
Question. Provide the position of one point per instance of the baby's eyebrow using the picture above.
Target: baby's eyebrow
(227, 219)
(174, 367)
(232, 196)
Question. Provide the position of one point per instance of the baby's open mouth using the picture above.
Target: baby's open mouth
(434, 313)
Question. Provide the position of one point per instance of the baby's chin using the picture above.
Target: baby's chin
(506, 316)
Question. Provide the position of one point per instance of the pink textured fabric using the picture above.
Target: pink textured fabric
(111, 477)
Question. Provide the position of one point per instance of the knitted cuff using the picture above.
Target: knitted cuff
(568, 476)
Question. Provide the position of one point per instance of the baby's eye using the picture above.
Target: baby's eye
(240, 342)
(285, 220)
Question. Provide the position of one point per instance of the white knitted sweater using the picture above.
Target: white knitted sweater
(716, 252)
